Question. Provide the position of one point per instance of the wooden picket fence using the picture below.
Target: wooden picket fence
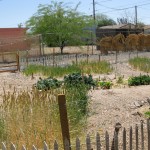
(138, 139)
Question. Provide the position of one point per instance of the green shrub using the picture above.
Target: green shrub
(48, 83)
(77, 78)
(105, 84)
(76, 90)
(139, 80)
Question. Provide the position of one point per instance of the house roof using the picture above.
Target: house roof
(119, 26)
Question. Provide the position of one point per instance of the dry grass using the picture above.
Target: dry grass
(30, 118)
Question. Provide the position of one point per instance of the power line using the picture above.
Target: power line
(116, 9)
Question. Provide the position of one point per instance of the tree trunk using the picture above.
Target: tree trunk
(62, 46)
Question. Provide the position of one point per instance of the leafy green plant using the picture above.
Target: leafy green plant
(75, 79)
(48, 83)
(105, 84)
(139, 80)
(147, 114)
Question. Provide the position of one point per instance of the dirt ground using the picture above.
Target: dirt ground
(122, 104)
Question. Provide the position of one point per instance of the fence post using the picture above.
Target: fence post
(27, 55)
(23, 147)
(107, 140)
(142, 135)
(53, 57)
(64, 119)
(99, 58)
(76, 58)
(77, 144)
(34, 148)
(88, 143)
(148, 131)
(98, 143)
(136, 136)
(130, 138)
(87, 58)
(129, 54)
(115, 138)
(124, 139)
(3, 146)
(116, 57)
(18, 62)
(55, 146)
(45, 146)
(12, 147)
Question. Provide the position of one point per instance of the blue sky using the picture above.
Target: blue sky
(14, 12)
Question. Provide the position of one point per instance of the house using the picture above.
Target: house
(13, 39)
(113, 30)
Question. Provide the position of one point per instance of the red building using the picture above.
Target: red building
(13, 39)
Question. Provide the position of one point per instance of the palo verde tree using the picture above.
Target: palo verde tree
(59, 24)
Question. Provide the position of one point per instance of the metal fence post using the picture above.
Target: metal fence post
(64, 119)
(53, 57)
(99, 58)
(76, 58)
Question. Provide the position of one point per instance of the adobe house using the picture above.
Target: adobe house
(13, 39)
(113, 30)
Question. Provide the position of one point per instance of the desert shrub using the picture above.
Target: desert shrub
(139, 80)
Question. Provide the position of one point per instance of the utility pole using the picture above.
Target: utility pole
(135, 17)
(94, 10)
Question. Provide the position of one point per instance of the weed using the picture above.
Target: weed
(105, 84)
(120, 80)
(147, 114)
(84, 67)
(140, 63)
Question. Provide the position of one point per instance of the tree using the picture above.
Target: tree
(104, 20)
(59, 24)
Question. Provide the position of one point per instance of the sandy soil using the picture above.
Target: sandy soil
(122, 103)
